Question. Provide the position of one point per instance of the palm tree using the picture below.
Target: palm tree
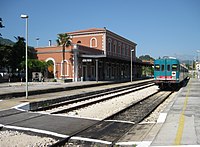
(64, 41)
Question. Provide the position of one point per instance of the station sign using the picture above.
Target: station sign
(86, 60)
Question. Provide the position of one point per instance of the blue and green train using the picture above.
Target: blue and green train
(168, 72)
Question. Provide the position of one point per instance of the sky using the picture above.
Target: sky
(159, 27)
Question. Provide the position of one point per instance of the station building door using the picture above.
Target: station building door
(84, 73)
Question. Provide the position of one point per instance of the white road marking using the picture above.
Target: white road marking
(20, 105)
(162, 117)
(139, 144)
(36, 130)
(91, 140)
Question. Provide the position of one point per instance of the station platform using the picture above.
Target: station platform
(182, 124)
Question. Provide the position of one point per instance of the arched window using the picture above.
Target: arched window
(79, 41)
(64, 68)
(127, 51)
(123, 49)
(109, 45)
(52, 67)
(115, 47)
(119, 48)
(93, 42)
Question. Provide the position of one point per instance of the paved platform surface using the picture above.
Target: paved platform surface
(182, 125)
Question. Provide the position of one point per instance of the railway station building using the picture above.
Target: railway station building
(95, 54)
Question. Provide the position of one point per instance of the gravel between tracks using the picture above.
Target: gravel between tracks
(106, 108)
(10, 138)
(153, 117)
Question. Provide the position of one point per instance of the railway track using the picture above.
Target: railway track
(92, 98)
(112, 128)
(84, 102)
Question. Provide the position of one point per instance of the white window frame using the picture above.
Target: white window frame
(95, 40)
(67, 69)
(54, 65)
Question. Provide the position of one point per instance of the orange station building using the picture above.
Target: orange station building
(95, 54)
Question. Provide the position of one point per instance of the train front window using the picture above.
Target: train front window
(174, 67)
(157, 67)
(162, 67)
(168, 67)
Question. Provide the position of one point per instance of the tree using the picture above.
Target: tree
(18, 53)
(12, 57)
(64, 41)
(1, 25)
(147, 71)
(5, 51)
(12, 54)
(35, 65)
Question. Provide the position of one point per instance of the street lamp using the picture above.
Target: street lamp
(26, 17)
(75, 50)
(132, 64)
(198, 74)
(37, 40)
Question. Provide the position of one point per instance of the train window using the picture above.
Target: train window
(157, 67)
(178, 68)
(162, 67)
(181, 69)
(174, 67)
(168, 67)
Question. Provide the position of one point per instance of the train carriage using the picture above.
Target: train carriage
(168, 72)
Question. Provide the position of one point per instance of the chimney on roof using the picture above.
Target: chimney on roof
(49, 42)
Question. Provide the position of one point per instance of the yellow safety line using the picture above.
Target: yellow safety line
(179, 133)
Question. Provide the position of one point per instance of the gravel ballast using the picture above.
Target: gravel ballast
(10, 138)
(104, 109)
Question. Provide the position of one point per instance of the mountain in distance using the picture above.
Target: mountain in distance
(146, 58)
(6, 42)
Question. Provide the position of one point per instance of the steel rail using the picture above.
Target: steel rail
(155, 104)
(103, 99)
(90, 95)
(62, 142)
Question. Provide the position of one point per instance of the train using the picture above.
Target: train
(169, 72)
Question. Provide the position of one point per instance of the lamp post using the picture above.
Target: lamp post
(132, 64)
(37, 40)
(26, 17)
(75, 50)
(198, 74)
(193, 67)
(97, 71)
